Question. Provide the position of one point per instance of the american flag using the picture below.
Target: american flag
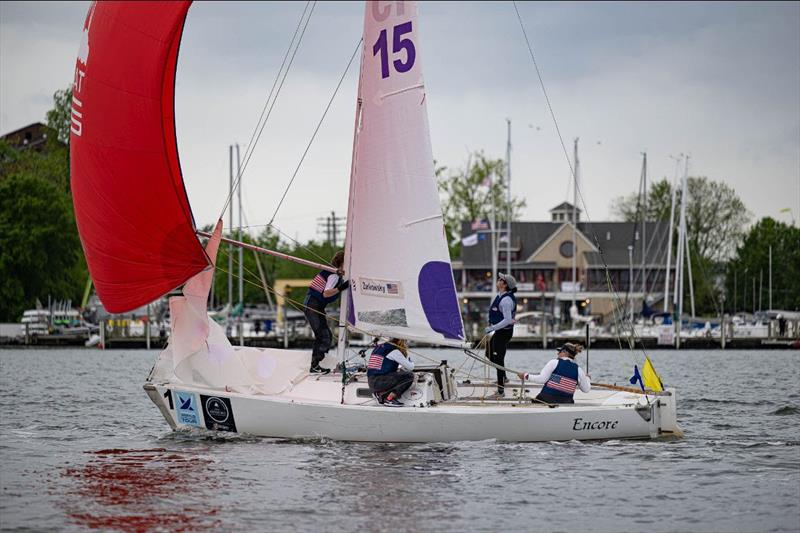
(391, 288)
(562, 383)
(479, 224)
(375, 361)
(318, 283)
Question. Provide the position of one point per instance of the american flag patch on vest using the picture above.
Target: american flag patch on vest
(318, 283)
(375, 361)
(561, 383)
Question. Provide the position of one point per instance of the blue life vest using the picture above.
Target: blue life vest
(317, 287)
(564, 379)
(496, 315)
(379, 364)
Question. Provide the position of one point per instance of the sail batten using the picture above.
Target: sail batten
(397, 258)
(131, 208)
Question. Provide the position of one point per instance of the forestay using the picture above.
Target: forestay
(397, 257)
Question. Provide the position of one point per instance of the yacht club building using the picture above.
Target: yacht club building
(541, 261)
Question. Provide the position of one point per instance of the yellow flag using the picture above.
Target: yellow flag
(650, 377)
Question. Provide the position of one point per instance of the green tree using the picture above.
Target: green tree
(715, 216)
(40, 253)
(751, 264)
(60, 116)
(466, 195)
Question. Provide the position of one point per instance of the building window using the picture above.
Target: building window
(566, 249)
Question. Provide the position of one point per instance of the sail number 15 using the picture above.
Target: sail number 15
(399, 43)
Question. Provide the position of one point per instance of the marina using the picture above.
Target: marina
(399, 265)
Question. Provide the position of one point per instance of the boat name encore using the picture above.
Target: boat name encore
(593, 425)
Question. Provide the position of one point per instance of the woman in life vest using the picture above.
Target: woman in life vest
(561, 376)
(501, 326)
(386, 381)
(324, 289)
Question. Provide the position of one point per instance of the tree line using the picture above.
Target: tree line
(41, 255)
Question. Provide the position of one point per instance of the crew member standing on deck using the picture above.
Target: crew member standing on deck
(324, 289)
(561, 376)
(501, 325)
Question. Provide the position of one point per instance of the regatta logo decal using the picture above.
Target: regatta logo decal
(379, 287)
(218, 413)
(580, 424)
(186, 409)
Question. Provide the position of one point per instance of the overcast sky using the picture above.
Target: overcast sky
(719, 81)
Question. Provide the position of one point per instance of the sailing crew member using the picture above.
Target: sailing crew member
(324, 289)
(561, 376)
(501, 325)
(386, 382)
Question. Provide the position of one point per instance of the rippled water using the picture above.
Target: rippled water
(82, 447)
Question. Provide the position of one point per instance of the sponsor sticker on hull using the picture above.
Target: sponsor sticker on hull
(218, 413)
(187, 408)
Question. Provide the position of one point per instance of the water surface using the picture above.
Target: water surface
(82, 447)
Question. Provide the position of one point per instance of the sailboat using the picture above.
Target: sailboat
(140, 242)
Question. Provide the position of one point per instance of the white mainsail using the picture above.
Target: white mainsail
(397, 259)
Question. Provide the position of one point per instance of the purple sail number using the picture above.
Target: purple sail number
(399, 43)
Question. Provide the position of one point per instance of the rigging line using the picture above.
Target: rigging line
(541, 83)
(300, 307)
(269, 111)
(316, 130)
(561, 140)
(298, 244)
(250, 144)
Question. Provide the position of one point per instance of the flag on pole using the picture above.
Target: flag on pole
(470, 240)
(479, 224)
(650, 377)
(637, 378)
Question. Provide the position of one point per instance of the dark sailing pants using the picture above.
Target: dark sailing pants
(397, 382)
(315, 314)
(551, 398)
(496, 349)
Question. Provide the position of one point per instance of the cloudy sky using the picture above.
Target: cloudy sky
(719, 81)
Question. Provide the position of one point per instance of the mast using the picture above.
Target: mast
(770, 277)
(682, 244)
(574, 308)
(344, 300)
(644, 227)
(494, 236)
(508, 198)
(669, 241)
(241, 250)
(689, 269)
(230, 226)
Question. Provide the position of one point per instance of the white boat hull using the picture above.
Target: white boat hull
(362, 419)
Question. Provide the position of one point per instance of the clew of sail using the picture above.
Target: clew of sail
(397, 259)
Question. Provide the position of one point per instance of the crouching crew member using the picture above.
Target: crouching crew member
(561, 376)
(386, 382)
(324, 289)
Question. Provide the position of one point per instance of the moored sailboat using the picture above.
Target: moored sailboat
(396, 257)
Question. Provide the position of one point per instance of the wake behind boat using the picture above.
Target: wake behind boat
(396, 257)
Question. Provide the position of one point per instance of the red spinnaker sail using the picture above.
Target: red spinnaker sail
(133, 215)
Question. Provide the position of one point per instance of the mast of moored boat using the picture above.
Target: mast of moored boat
(573, 310)
(671, 228)
(508, 198)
